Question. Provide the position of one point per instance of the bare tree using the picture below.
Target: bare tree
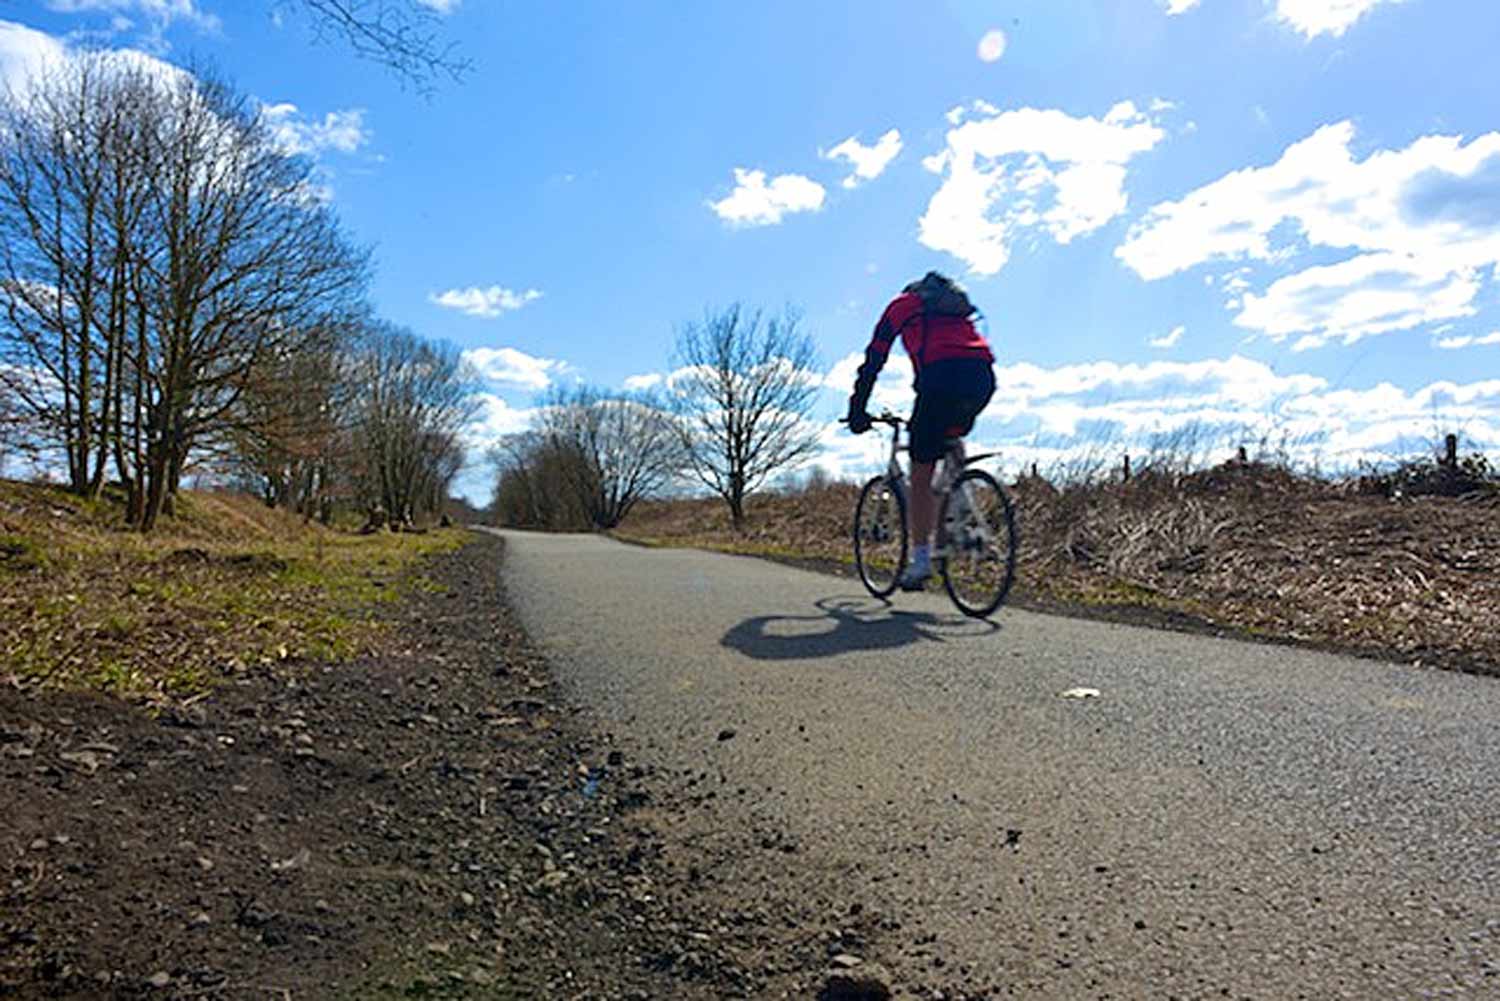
(290, 439)
(402, 35)
(744, 390)
(247, 264)
(536, 480)
(72, 191)
(626, 443)
(157, 247)
(415, 398)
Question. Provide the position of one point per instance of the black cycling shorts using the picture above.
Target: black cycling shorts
(951, 394)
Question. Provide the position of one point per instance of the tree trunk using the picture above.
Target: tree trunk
(156, 489)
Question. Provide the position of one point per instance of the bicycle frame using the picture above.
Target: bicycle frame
(953, 463)
(968, 539)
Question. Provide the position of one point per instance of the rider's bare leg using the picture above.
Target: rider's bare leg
(923, 504)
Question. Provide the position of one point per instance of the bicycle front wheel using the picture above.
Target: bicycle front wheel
(979, 529)
(880, 536)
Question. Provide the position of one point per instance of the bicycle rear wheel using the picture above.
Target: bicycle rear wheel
(880, 535)
(980, 538)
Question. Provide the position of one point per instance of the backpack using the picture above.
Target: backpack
(942, 296)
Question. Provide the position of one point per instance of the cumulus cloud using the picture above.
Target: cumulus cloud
(1365, 295)
(163, 12)
(1168, 339)
(484, 302)
(441, 6)
(754, 202)
(152, 17)
(893, 389)
(869, 162)
(1175, 7)
(513, 368)
(25, 53)
(637, 383)
(341, 131)
(1006, 173)
(1067, 416)
(1419, 228)
(1316, 17)
(1456, 341)
(496, 418)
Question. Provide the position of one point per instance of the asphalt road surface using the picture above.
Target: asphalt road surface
(1224, 820)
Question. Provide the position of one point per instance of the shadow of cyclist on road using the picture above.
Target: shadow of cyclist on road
(847, 624)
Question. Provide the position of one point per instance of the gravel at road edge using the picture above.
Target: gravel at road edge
(430, 821)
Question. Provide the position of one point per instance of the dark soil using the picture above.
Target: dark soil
(425, 822)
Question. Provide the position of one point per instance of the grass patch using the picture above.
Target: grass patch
(226, 586)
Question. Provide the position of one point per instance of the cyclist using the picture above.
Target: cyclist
(955, 378)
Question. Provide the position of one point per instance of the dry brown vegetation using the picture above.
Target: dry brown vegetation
(227, 584)
(1251, 549)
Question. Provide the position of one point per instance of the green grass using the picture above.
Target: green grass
(224, 586)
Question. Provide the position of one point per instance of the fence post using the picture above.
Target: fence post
(1127, 467)
(1242, 458)
(1033, 472)
(1450, 451)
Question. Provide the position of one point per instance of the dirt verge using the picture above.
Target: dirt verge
(427, 821)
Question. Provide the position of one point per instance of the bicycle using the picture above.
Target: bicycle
(977, 541)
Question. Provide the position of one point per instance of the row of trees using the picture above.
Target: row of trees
(372, 420)
(175, 293)
(735, 411)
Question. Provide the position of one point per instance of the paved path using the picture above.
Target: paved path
(1226, 820)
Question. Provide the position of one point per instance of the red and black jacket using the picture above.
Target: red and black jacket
(927, 337)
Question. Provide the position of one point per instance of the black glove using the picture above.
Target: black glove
(859, 421)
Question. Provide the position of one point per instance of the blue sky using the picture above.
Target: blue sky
(1279, 219)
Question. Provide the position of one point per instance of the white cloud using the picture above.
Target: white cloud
(753, 202)
(869, 162)
(1418, 227)
(992, 46)
(1169, 339)
(637, 383)
(1308, 17)
(496, 418)
(441, 6)
(484, 302)
(1458, 341)
(893, 388)
(509, 367)
(159, 16)
(25, 53)
(1029, 169)
(1317, 17)
(1072, 415)
(1365, 295)
(342, 131)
